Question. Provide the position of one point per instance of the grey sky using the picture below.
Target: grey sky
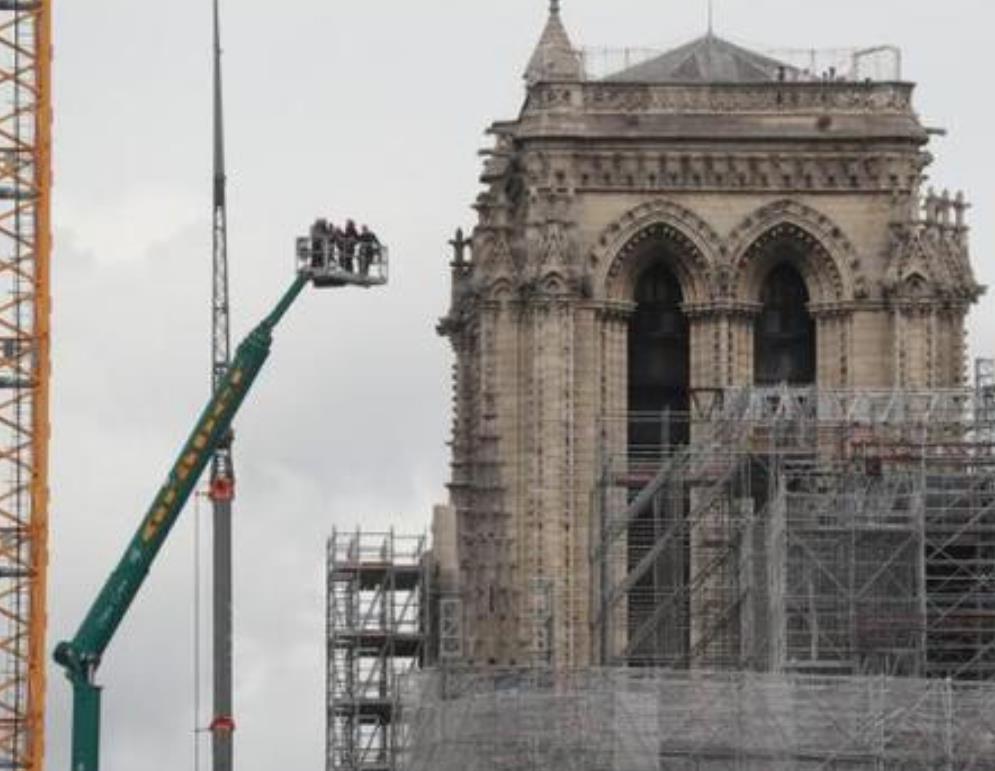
(370, 109)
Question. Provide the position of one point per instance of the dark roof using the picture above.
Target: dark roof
(708, 59)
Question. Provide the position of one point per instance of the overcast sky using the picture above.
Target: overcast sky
(371, 109)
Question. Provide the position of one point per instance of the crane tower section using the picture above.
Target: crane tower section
(25, 249)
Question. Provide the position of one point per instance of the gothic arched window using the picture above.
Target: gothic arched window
(659, 357)
(784, 340)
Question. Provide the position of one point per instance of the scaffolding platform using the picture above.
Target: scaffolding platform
(803, 531)
(375, 635)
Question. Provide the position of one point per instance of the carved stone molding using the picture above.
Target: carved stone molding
(842, 310)
(557, 175)
(716, 310)
(614, 310)
(830, 259)
(548, 289)
(695, 246)
(836, 171)
(492, 255)
(551, 96)
(551, 249)
(928, 261)
(780, 98)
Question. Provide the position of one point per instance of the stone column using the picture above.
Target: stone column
(832, 347)
(586, 429)
(721, 344)
(610, 632)
(742, 326)
(482, 526)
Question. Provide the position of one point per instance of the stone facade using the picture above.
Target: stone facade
(595, 182)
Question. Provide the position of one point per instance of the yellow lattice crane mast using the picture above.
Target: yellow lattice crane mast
(25, 252)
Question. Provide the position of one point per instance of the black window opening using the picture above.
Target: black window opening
(659, 362)
(784, 340)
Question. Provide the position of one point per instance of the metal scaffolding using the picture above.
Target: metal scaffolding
(376, 601)
(644, 719)
(804, 531)
(802, 579)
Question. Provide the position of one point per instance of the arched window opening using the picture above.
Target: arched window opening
(659, 373)
(659, 360)
(784, 341)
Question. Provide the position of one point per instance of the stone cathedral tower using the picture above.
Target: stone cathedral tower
(708, 219)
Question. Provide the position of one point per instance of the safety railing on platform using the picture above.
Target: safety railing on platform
(331, 260)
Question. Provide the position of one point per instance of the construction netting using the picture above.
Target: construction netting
(639, 719)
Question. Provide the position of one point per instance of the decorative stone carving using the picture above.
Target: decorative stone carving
(696, 170)
(933, 252)
(721, 283)
(556, 250)
(698, 245)
(886, 98)
(832, 257)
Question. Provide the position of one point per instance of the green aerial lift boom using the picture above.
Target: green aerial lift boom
(326, 261)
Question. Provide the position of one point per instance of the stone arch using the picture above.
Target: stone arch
(827, 262)
(625, 248)
(501, 290)
(915, 285)
(554, 283)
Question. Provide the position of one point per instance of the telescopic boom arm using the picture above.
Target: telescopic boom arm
(81, 656)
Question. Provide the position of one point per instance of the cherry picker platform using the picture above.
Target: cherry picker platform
(81, 656)
(333, 260)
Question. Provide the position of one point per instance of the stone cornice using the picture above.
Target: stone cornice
(843, 170)
(677, 98)
(945, 305)
(721, 309)
(821, 311)
(617, 310)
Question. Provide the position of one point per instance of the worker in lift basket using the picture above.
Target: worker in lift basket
(348, 240)
(369, 248)
(320, 232)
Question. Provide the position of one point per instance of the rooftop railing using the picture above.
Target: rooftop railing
(877, 64)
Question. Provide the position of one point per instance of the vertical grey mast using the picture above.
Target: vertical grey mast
(221, 337)
(222, 488)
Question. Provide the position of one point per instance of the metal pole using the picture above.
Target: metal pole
(222, 468)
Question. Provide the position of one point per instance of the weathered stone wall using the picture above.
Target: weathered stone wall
(591, 185)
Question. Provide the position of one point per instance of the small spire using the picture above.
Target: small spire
(555, 57)
(711, 18)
